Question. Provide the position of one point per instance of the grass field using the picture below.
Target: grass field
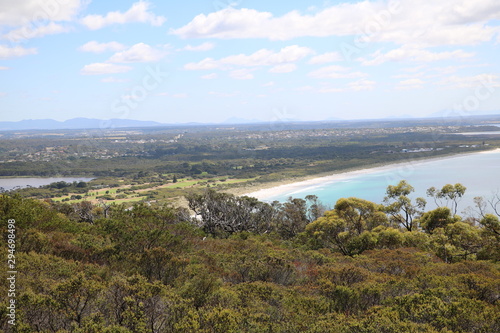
(168, 191)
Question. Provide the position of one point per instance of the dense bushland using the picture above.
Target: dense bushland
(242, 265)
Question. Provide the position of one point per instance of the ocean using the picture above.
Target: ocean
(479, 172)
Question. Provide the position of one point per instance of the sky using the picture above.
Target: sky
(213, 60)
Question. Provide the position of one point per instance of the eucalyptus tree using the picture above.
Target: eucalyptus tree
(452, 194)
(400, 206)
(347, 228)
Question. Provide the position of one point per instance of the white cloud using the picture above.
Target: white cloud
(414, 54)
(410, 84)
(325, 58)
(269, 84)
(266, 57)
(138, 53)
(262, 57)
(285, 68)
(480, 80)
(180, 95)
(28, 32)
(359, 85)
(335, 72)
(249, 23)
(19, 13)
(447, 70)
(15, 52)
(207, 63)
(305, 88)
(96, 47)
(241, 74)
(3, 68)
(331, 89)
(426, 23)
(210, 76)
(362, 84)
(139, 12)
(226, 23)
(223, 94)
(103, 68)
(113, 80)
(415, 69)
(202, 47)
(3, 94)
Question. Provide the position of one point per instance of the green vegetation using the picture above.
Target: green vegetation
(236, 152)
(156, 165)
(249, 266)
(115, 255)
(125, 190)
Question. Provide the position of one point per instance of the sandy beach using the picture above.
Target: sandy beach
(272, 189)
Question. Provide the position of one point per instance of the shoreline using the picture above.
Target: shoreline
(266, 190)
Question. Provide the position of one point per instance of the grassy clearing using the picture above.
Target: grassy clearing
(125, 193)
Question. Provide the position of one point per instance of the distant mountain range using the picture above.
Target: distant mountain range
(88, 123)
(76, 123)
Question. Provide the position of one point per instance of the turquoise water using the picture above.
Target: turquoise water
(480, 173)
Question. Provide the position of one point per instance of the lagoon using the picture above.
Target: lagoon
(479, 172)
(11, 183)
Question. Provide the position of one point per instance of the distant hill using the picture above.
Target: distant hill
(236, 120)
(406, 120)
(76, 123)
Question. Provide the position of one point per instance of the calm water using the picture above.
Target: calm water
(480, 133)
(10, 183)
(480, 173)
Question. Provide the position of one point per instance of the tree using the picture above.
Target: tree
(491, 237)
(292, 217)
(76, 297)
(361, 214)
(223, 214)
(81, 185)
(400, 206)
(315, 209)
(330, 230)
(465, 238)
(105, 208)
(453, 193)
(482, 204)
(491, 223)
(85, 211)
(138, 305)
(347, 227)
(437, 218)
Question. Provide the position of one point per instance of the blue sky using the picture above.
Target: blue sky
(209, 61)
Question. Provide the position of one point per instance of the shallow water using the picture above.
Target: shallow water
(480, 173)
